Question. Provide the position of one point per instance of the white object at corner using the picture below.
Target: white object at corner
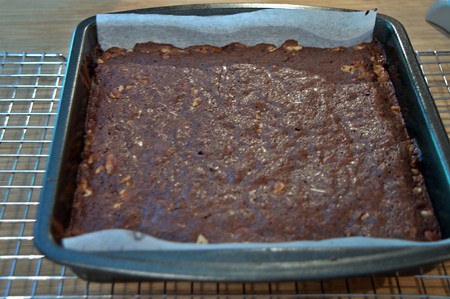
(439, 14)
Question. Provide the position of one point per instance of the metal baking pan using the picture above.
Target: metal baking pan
(269, 264)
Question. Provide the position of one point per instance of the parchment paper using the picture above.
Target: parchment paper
(121, 239)
(310, 27)
(314, 28)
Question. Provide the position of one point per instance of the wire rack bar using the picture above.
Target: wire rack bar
(27, 127)
(26, 86)
(14, 238)
(21, 171)
(21, 187)
(17, 100)
(18, 203)
(30, 84)
(26, 113)
(30, 75)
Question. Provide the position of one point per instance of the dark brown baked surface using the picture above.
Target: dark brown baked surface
(249, 144)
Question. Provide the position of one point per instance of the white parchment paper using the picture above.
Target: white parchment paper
(310, 27)
(313, 28)
(121, 239)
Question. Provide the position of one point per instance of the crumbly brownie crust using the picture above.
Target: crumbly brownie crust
(249, 144)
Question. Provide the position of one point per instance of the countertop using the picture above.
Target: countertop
(47, 25)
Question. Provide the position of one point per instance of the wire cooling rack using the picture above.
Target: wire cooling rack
(30, 84)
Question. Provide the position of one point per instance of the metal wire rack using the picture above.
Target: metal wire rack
(30, 84)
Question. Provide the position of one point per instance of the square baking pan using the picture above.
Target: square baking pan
(269, 263)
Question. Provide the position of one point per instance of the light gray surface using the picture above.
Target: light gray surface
(439, 14)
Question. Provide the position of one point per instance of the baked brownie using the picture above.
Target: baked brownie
(249, 144)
